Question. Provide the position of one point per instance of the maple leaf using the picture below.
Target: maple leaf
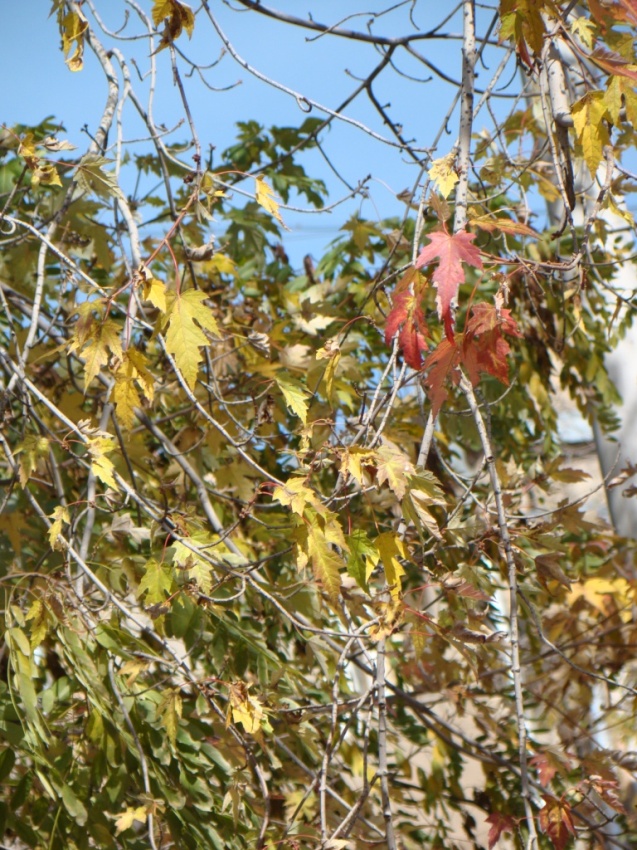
(391, 548)
(168, 712)
(128, 817)
(265, 197)
(591, 131)
(451, 250)
(444, 174)
(326, 562)
(484, 349)
(440, 365)
(156, 582)
(294, 393)
(499, 823)
(407, 315)
(556, 821)
(394, 467)
(178, 17)
(184, 338)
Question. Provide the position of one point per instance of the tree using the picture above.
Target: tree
(286, 559)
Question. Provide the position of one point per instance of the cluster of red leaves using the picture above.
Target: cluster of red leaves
(482, 348)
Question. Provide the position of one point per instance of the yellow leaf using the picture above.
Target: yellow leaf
(168, 713)
(127, 818)
(102, 338)
(199, 570)
(124, 395)
(394, 467)
(98, 447)
(294, 393)
(391, 548)
(592, 134)
(45, 173)
(39, 614)
(332, 353)
(125, 398)
(599, 592)
(245, 709)
(265, 197)
(177, 16)
(326, 562)
(354, 459)
(444, 174)
(60, 515)
(31, 450)
(73, 28)
(298, 496)
(584, 29)
(155, 292)
(184, 338)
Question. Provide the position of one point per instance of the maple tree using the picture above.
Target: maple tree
(286, 555)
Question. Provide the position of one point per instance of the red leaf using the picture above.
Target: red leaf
(499, 823)
(451, 250)
(442, 363)
(407, 314)
(556, 821)
(613, 63)
(484, 348)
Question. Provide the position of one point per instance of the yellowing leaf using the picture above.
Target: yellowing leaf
(298, 496)
(124, 395)
(245, 709)
(156, 582)
(601, 593)
(169, 711)
(39, 615)
(45, 173)
(592, 134)
(92, 178)
(128, 818)
(177, 17)
(363, 557)
(391, 548)
(125, 398)
(98, 447)
(184, 338)
(59, 516)
(265, 197)
(325, 560)
(444, 174)
(584, 29)
(73, 28)
(331, 352)
(101, 338)
(394, 467)
(199, 569)
(31, 450)
(155, 293)
(294, 393)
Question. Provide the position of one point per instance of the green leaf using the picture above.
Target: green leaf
(156, 582)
